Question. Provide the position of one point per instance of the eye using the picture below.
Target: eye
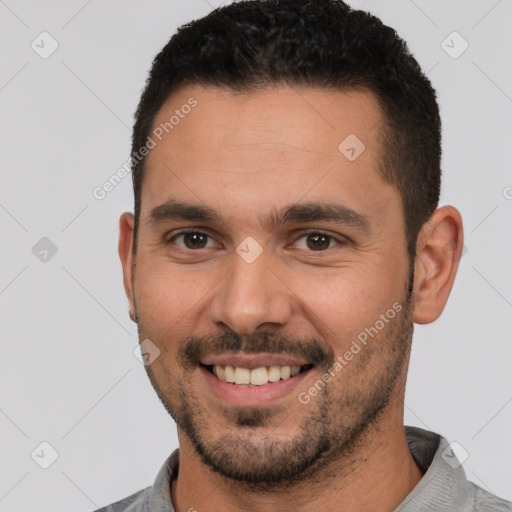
(317, 241)
(192, 239)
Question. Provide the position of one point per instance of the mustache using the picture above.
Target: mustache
(195, 348)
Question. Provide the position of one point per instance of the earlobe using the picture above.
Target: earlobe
(438, 252)
(125, 249)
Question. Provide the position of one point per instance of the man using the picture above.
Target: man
(286, 237)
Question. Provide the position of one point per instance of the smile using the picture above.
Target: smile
(252, 380)
(257, 376)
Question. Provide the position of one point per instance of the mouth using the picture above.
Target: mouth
(260, 376)
(251, 380)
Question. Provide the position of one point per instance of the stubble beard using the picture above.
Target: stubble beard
(336, 425)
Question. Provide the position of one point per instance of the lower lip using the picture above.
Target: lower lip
(251, 396)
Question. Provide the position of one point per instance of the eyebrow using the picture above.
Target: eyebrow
(295, 213)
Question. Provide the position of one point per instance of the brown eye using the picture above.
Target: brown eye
(195, 240)
(192, 240)
(317, 241)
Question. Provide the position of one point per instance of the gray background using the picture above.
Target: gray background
(68, 375)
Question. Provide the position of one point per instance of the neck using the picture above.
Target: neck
(378, 475)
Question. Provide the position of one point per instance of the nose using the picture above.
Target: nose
(251, 296)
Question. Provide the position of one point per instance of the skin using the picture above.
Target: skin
(246, 155)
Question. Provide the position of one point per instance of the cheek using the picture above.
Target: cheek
(167, 291)
(341, 305)
(169, 298)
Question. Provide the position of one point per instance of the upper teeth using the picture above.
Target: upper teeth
(257, 376)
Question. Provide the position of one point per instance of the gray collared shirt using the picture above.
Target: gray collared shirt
(443, 488)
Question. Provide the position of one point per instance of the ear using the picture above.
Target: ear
(438, 252)
(125, 247)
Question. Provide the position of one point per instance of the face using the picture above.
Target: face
(271, 252)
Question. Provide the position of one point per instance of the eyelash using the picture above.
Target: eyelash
(340, 241)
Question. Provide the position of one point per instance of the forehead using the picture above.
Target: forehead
(261, 148)
(307, 119)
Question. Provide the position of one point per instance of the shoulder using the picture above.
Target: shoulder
(132, 503)
(444, 486)
(485, 501)
(155, 496)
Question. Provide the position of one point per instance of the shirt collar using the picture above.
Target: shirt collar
(444, 486)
